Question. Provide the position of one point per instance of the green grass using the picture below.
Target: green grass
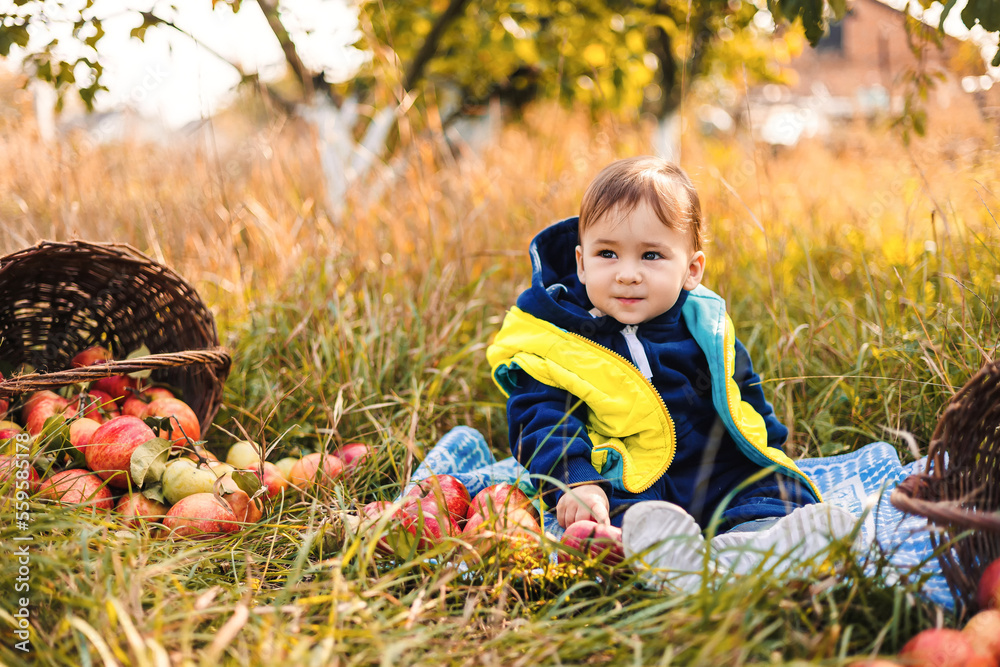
(375, 328)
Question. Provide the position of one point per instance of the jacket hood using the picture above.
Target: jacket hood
(556, 293)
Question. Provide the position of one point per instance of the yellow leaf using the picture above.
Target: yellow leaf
(595, 55)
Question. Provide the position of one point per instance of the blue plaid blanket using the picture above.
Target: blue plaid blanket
(859, 482)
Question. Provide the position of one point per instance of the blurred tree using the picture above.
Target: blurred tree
(638, 55)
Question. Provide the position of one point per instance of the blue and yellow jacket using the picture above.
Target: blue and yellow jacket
(668, 409)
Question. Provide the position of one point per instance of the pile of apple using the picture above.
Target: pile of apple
(976, 645)
(440, 507)
(123, 445)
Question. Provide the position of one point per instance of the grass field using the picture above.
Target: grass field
(862, 276)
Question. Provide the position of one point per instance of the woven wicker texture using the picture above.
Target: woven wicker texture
(960, 492)
(57, 299)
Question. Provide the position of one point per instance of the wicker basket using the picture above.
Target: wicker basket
(57, 299)
(960, 491)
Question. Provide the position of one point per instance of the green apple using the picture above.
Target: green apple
(184, 477)
(244, 455)
(286, 464)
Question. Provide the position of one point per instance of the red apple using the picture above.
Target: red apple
(116, 386)
(874, 662)
(8, 430)
(81, 431)
(306, 470)
(246, 511)
(40, 406)
(201, 515)
(183, 421)
(18, 469)
(500, 496)
(78, 487)
(983, 631)
(429, 528)
(399, 519)
(109, 452)
(4, 403)
(153, 393)
(353, 454)
(943, 647)
(517, 528)
(134, 406)
(597, 540)
(135, 509)
(94, 404)
(273, 479)
(447, 491)
(988, 591)
(91, 356)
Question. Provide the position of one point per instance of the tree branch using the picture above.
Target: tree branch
(301, 72)
(430, 45)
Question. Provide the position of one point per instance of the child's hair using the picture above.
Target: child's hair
(623, 184)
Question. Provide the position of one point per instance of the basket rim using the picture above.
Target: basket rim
(19, 384)
(941, 512)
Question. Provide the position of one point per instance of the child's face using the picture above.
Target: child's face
(634, 266)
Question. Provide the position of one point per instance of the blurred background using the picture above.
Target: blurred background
(352, 186)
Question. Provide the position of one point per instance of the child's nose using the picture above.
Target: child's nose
(628, 275)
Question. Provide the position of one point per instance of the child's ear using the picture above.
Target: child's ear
(696, 269)
(580, 273)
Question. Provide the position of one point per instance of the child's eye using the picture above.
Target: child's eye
(606, 254)
(651, 255)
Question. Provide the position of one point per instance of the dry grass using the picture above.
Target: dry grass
(372, 326)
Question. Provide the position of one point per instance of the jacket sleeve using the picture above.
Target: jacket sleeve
(752, 392)
(548, 436)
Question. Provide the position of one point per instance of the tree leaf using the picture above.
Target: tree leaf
(141, 351)
(155, 492)
(247, 481)
(148, 461)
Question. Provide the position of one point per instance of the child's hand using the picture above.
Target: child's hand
(583, 502)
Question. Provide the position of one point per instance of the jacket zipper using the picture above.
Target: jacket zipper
(635, 348)
(631, 366)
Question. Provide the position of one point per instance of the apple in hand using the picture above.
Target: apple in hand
(201, 515)
(447, 491)
(353, 454)
(306, 470)
(943, 647)
(135, 509)
(183, 422)
(988, 591)
(983, 631)
(77, 487)
(597, 540)
(90, 356)
(109, 452)
(500, 498)
(244, 455)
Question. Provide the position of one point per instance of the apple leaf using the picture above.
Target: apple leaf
(247, 481)
(148, 461)
(54, 436)
(155, 492)
(141, 351)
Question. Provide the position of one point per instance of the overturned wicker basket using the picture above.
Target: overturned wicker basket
(57, 299)
(960, 491)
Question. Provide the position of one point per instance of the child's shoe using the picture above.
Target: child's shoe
(668, 542)
(793, 540)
